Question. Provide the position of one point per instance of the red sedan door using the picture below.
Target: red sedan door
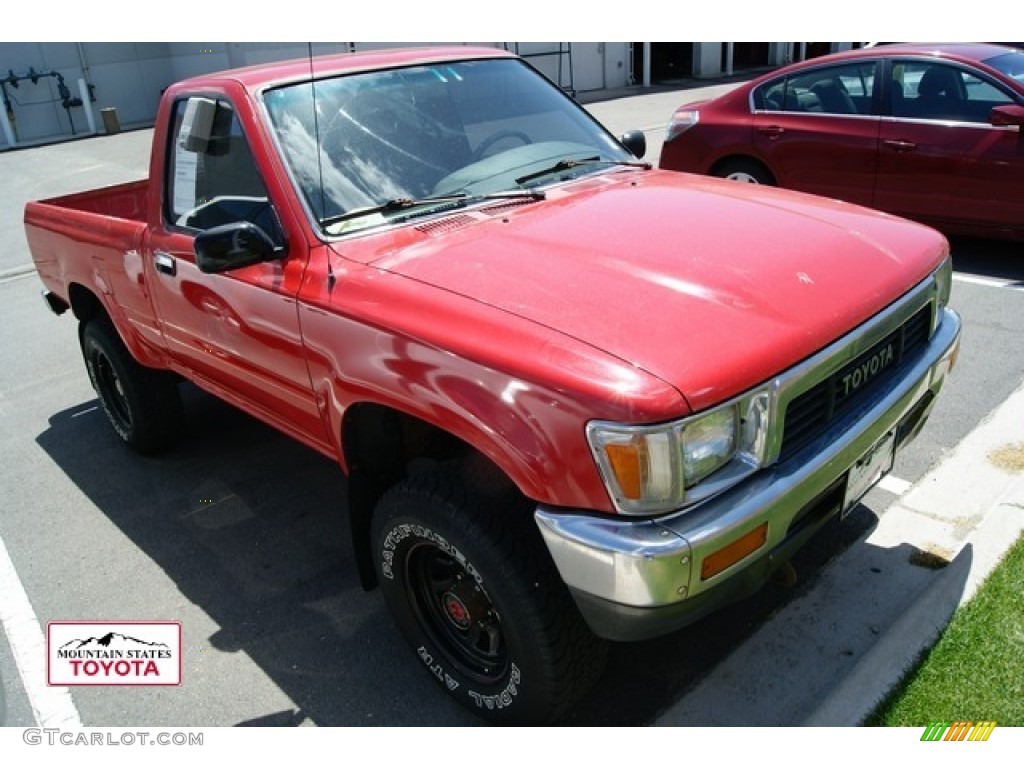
(940, 160)
(818, 131)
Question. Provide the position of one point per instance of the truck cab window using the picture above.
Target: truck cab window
(215, 180)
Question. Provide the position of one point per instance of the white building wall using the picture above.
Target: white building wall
(707, 59)
(129, 77)
(35, 108)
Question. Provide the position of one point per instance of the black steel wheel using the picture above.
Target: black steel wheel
(473, 590)
(457, 613)
(143, 405)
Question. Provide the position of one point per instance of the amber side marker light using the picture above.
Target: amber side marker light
(733, 552)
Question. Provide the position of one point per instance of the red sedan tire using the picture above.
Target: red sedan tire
(746, 171)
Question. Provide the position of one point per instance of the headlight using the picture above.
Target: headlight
(708, 443)
(650, 469)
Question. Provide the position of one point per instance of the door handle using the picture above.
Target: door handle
(165, 263)
(771, 131)
(900, 145)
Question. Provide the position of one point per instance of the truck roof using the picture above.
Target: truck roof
(296, 70)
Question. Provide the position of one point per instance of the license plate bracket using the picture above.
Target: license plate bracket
(872, 467)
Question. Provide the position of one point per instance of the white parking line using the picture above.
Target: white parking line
(990, 282)
(52, 707)
(894, 485)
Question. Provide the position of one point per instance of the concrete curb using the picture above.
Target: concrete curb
(882, 668)
(998, 506)
(830, 656)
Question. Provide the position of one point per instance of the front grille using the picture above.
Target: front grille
(812, 412)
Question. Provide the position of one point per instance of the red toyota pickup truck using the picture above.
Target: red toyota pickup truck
(577, 399)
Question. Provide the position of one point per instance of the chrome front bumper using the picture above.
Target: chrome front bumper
(635, 579)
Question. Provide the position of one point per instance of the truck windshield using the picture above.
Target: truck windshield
(356, 143)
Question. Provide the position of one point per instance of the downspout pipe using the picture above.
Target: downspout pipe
(5, 122)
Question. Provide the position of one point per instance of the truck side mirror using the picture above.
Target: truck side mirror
(232, 246)
(635, 142)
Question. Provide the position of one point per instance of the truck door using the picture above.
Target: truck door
(236, 332)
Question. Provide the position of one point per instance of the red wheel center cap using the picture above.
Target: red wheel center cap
(456, 611)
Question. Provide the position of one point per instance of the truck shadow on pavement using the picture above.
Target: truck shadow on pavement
(251, 527)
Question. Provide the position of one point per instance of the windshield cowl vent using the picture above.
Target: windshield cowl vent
(504, 205)
(447, 224)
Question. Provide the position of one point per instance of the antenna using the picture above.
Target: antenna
(316, 133)
(319, 160)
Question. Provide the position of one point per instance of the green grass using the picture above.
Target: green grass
(975, 671)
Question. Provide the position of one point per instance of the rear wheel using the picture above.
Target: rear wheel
(745, 171)
(475, 594)
(142, 404)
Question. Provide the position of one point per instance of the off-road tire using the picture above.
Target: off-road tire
(472, 588)
(143, 405)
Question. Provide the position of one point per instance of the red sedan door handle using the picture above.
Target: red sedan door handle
(900, 145)
(771, 131)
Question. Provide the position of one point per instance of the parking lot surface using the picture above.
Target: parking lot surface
(240, 534)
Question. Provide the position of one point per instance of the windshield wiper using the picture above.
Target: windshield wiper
(389, 206)
(454, 199)
(568, 164)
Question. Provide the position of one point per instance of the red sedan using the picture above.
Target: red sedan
(929, 132)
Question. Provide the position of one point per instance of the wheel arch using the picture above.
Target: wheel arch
(87, 306)
(84, 303)
(380, 446)
(740, 158)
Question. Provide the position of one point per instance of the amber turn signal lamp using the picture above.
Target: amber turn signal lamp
(733, 552)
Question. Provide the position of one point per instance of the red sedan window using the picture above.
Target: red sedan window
(929, 91)
(841, 90)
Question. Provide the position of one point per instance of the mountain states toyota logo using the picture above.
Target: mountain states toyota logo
(118, 653)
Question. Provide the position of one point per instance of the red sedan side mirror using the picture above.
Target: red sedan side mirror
(1009, 114)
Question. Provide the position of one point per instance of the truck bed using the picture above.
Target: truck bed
(95, 238)
(100, 223)
(121, 201)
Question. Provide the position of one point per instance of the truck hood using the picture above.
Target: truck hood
(712, 286)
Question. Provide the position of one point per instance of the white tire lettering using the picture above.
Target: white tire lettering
(402, 531)
(436, 669)
(502, 699)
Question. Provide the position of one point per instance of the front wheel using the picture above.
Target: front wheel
(475, 594)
